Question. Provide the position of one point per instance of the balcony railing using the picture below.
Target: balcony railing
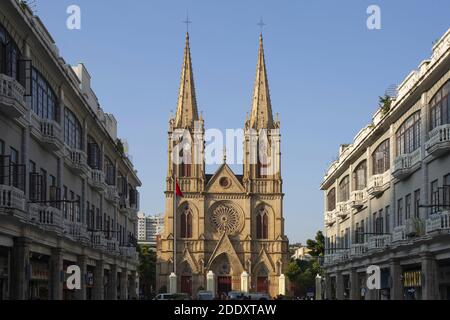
(379, 241)
(358, 249)
(51, 133)
(112, 246)
(111, 194)
(12, 198)
(406, 164)
(330, 217)
(46, 217)
(12, 100)
(342, 209)
(98, 240)
(379, 183)
(399, 233)
(77, 160)
(97, 179)
(438, 222)
(439, 142)
(129, 252)
(358, 198)
(265, 186)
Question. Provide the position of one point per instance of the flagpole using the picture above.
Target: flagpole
(174, 224)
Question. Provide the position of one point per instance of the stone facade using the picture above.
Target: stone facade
(68, 193)
(387, 197)
(224, 244)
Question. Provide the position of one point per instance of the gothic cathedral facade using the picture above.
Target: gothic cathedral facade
(229, 227)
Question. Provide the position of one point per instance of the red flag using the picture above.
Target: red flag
(178, 190)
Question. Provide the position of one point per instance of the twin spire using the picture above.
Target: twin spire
(261, 114)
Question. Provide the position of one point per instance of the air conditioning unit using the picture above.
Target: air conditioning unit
(414, 227)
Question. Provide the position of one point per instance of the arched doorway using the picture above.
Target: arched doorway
(222, 269)
(262, 279)
(186, 279)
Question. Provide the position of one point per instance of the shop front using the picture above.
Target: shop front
(89, 282)
(4, 272)
(39, 272)
(412, 284)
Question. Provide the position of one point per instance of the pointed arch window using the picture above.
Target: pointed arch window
(262, 224)
(186, 223)
(185, 169)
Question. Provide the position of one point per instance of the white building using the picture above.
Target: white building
(149, 227)
(68, 193)
(387, 197)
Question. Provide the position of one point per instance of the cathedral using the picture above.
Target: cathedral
(229, 228)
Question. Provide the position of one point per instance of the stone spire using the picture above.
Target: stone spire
(187, 104)
(261, 116)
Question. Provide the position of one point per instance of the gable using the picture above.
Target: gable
(224, 181)
(224, 246)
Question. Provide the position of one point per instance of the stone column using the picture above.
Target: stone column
(327, 287)
(396, 283)
(20, 269)
(244, 281)
(82, 263)
(211, 282)
(339, 286)
(124, 284)
(112, 283)
(99, 276)
(354, 285)
(56, 272)
(430, 278)
(133, 293)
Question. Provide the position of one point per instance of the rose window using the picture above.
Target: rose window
(225, 219)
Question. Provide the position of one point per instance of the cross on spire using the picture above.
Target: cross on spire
(187, 22)
(261, 24)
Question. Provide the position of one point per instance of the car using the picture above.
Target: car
(236, 295)
(180, 296)
(258, 296)
(163, 296)
(205, 295)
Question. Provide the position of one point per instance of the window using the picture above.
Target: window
(416, 203)
(9, 55)
(440, 107)
(380, 223)
(408, 206)
(186, 222)
(434, 196)
(186, 164)
(65, 205)
(344, 189)
(14, 175)
(331, 200)
(72, 130)
(43, 99)
(447, 191)
(381, 158)
(110, 171)
(3, 160)
(399, 212)
(388, 217)
(374, 222)
(360, 176)
(262, 224)
(94, 156)
(78, 209)
(408, 136)
(72, 207)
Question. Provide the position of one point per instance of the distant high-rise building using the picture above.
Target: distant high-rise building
(149, 227)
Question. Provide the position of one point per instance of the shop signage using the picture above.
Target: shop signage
(412, 279)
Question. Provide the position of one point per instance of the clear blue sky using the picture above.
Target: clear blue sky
(326, 71)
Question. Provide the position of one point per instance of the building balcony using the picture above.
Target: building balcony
(77, 161)
(342, 209)
(438, 222)
(129, 252)
(399, 233)
(379, 241)
(51, 134)
(46, 217)
(406, 164)
(75, 231)
(97, 179)
(358, 249)
(111, 194)
(439, 141)
(340, 255)
(358, 199)
(98, 240)
(379, 183)
(12, 100)
(112, 246)
(12, 198)
(330, 217)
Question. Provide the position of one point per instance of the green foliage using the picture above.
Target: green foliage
(317, 246)
(147, 270)
(385, 103)
(120, 146)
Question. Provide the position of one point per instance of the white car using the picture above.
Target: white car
(163, 296)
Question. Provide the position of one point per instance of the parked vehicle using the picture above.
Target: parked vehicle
(258, 296)
(163, 296)
(236, 295)
(205, 295)
(180, 296)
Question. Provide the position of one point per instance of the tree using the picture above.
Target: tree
(147, 270)
(317, 246)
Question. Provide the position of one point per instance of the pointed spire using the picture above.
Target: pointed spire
(261, 116)
(187, 104)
